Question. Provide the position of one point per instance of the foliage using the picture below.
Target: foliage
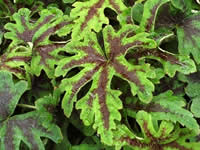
(99, 74)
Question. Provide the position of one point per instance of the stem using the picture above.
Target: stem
(26, 106)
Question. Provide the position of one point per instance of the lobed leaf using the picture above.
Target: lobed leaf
(170, 108)
(36, 37)
(171, 62)
(100, 105)
(166, 137)
(29, 127)
(89, 15)
(10, 94)
(150, 13)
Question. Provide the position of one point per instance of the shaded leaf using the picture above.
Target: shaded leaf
(10, 94)
(29, 127)
(188, 33)
(150, 13)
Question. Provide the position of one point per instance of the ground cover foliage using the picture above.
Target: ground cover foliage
(99, 75)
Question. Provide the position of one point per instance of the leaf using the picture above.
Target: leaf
(195, 107)
(188, 32)
(36, 37)
(168, 107)
(171, 62)
(192, 90)
(100, 105)
(10, 94)
(89, 15)
(183, 5)
(150, 13)
(137, 11)
(29, 127)
(172, 109)
(166, 137)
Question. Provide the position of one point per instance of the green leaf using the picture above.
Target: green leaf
(69, 1)
(150, 13)
(36, 37)
(168, 107)
(195, 107)
(183, 5)
(171, 62)
(10, 94)
(172, 109)
(166, 137)
(137, 11)
(101, 104)
(89, 15)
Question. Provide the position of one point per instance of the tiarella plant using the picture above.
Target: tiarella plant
(99, 74)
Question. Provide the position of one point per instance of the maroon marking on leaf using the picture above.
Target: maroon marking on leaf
(101, 91)
(19, 58)
(92, 57)
(151, 19)
(154, 52)
(151, 107)
(86, 78)
(129, 75)
(27, 35)
(45, 51)
(15, 70)
(50, 31)
(112, 2)
(116, 46)
(92, 96)
(91, 13)
(190, 30)
(26, 126)
(155, 142)
(134, 142)
(4, 59)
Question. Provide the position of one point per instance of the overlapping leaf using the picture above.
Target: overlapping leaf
(188, 32)
(168, 107)
(89, 15)
(29, 127)
(164, 137)
(10, 94)
(35, 37)
(150, 13)
(101, 103)
(186, 24)
(171, 62)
